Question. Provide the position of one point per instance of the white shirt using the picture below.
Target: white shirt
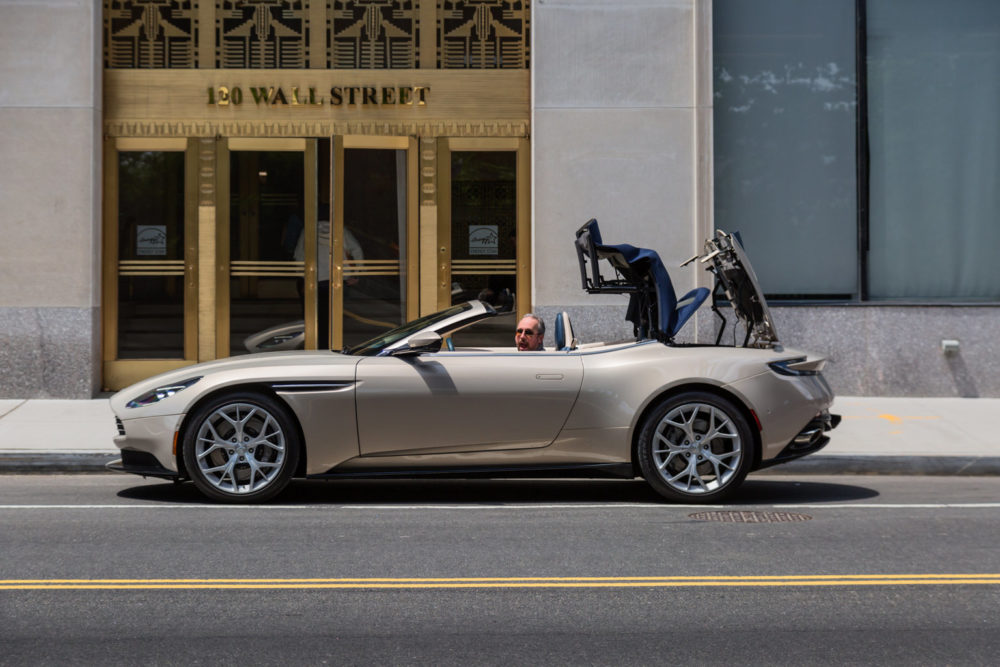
(352, 249)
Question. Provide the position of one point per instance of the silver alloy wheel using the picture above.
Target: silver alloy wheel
(240, 448)
(696, 448)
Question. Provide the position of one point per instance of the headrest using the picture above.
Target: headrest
(565, 340)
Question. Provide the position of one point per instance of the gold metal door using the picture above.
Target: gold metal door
(373, 277)
(150, 266)
(266, 246)
(484, 231)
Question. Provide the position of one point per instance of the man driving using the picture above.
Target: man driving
(530, 334)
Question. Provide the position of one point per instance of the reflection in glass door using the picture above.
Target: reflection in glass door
(374, 288)
(271, 222)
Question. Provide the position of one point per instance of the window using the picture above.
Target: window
(790, 111)
(785, 100)
(933, 101)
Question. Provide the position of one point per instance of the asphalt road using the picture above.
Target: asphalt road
(115, 569)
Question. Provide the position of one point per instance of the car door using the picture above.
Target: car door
(464, 401)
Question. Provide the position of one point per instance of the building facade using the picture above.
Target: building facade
(179, 176)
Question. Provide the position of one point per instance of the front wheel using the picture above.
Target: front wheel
(695, 447)
(241, 448)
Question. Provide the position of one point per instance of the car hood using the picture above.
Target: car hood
(265, 367)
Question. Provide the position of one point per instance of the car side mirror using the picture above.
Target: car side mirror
(425, 341)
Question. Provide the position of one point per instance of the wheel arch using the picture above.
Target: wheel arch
(745, 411)
(254, 388)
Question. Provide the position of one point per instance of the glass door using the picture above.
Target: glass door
(267, 247)
(149, 294)
(484, 229)
(373, 249)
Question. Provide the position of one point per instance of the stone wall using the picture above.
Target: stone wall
(621, 132)
(50, 151)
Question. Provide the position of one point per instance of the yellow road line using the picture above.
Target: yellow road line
(894, 419)
(506, 582)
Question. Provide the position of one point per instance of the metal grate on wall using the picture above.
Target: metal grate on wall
(483, 34)
(278, 34)
(150, 34)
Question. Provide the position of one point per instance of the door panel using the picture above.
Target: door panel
(484, 229)
(266, 222)
(151, 255)
(374, 232)
(372, 271)
(458, 401)
(150, 275)
(267, 241)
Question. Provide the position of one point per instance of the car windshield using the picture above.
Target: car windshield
(375, 345)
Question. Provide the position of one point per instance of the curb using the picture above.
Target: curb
(954, 466)
(55, 462)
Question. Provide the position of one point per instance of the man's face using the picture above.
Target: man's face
(527, 335)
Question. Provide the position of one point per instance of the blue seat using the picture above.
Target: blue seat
(643, 276)
(565, 340)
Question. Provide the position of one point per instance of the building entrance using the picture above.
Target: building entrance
(308, 174)
(315, 243)
(311, 243)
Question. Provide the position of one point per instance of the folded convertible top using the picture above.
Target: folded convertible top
(654, 309)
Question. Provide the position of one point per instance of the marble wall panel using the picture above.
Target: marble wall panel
(631, 169)
(627, 53)
(49, 352)
(48, 53)
(49, 212)
(50, 153)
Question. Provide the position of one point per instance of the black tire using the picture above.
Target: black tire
(241, 447)
(695, 447)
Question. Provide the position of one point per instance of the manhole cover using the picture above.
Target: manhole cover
(750, 517)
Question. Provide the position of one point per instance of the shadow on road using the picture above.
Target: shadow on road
(768, 491)
(481, 491)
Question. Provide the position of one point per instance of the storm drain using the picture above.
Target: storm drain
(750, 517)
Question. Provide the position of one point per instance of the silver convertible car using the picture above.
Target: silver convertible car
(692, 419)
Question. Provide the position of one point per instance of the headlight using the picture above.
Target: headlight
(160, 393)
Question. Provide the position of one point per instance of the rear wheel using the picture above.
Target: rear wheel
(695, 447)
(241, 448)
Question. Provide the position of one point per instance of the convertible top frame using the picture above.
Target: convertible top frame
(653, 309)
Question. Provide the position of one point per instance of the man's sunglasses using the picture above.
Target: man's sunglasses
(526, 332)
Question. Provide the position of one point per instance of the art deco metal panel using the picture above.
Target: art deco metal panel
(150, 33)
(374, 34)
(261, 34)
(330, 34)
(483, 34)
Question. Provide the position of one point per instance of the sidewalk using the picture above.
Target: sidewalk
(917, 436)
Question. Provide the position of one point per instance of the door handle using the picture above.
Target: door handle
(549, 376)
